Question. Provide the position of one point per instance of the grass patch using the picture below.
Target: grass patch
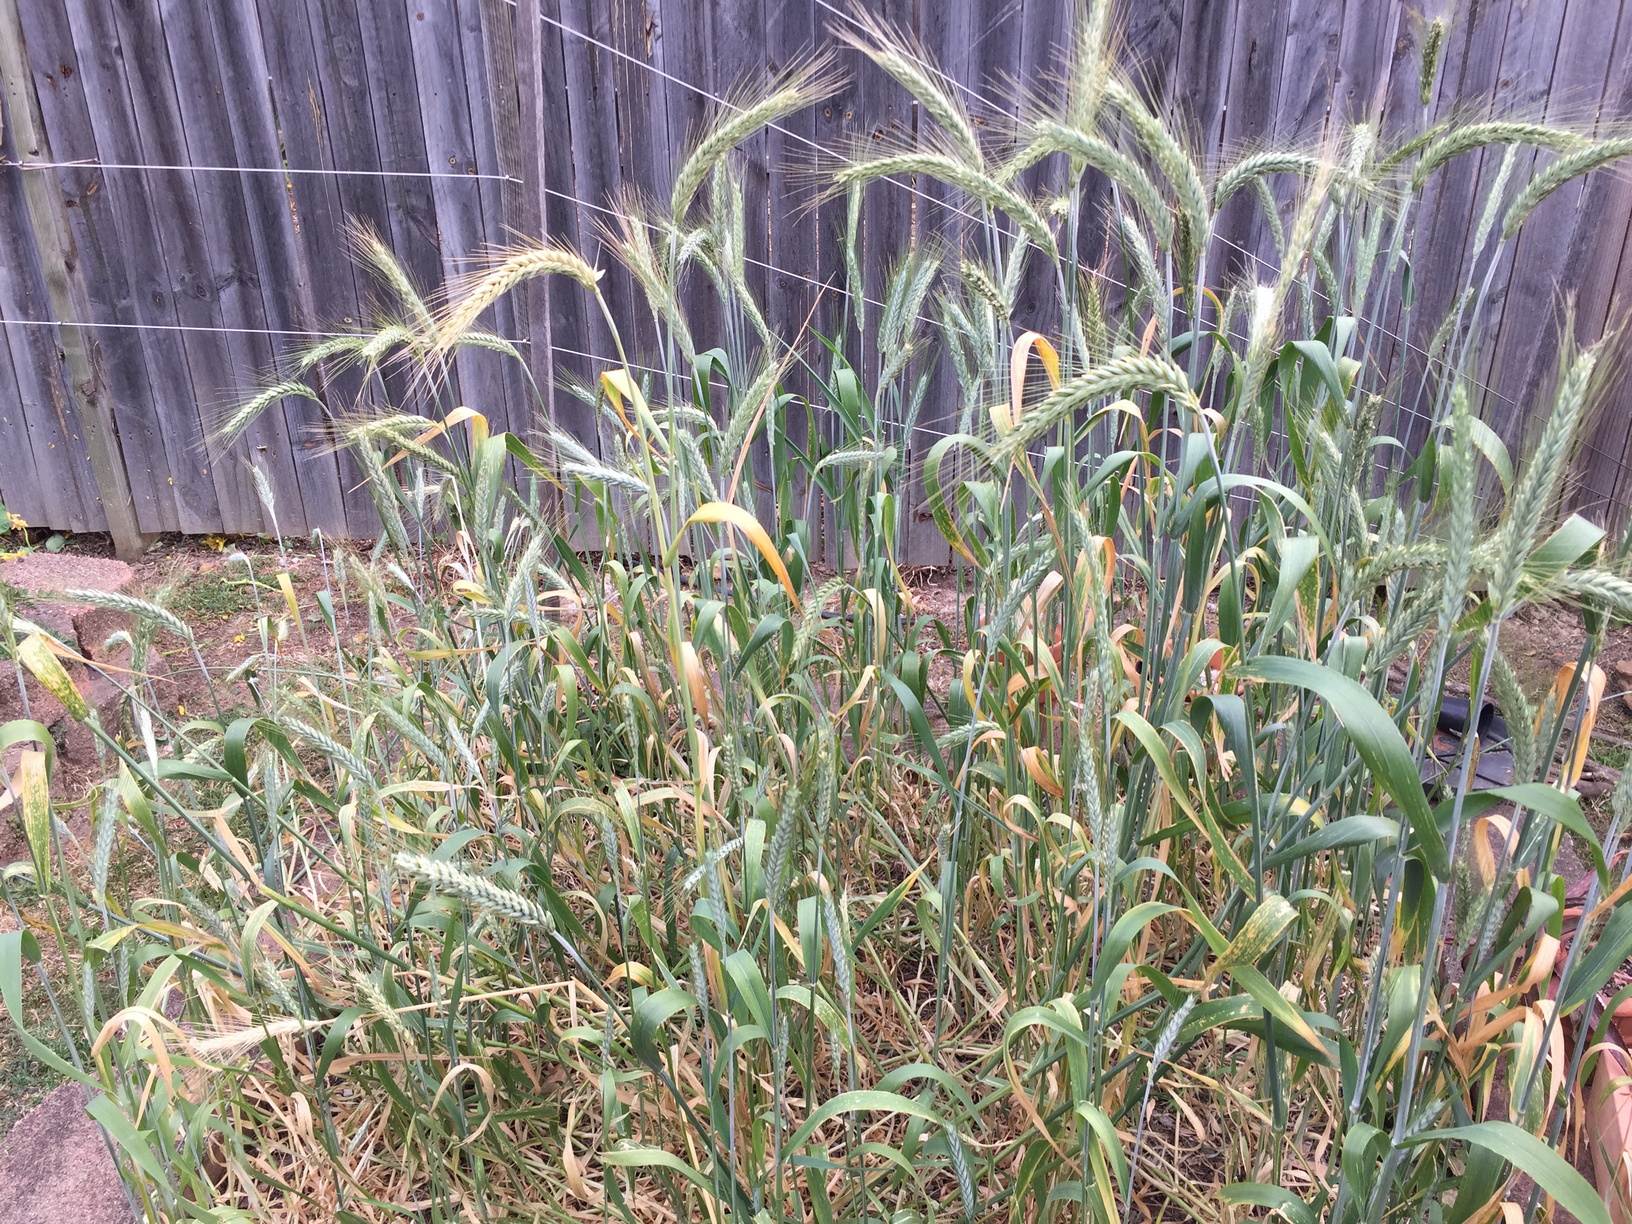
(216, 595)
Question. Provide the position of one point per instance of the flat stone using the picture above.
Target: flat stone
(41, 573)
(55, 1167)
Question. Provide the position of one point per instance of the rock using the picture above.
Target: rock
(41, 573)
(1593, 788)
(55, 1167)
(80, 627)
(1620, 681)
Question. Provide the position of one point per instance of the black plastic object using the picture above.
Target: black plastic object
(1494, 765)
(1453, 717)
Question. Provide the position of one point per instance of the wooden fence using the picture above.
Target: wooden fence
(178, 177)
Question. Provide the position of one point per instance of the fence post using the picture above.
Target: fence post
(64, 288)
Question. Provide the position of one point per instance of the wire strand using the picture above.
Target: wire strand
(282, 170)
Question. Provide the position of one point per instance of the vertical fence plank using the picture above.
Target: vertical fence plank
(230, 264)
(41, 479)
(791, 241)
(490, 88)
(121, 352)
(138, 247)
(216, 478)
(337, 303)
(566, 220)
(527, 212)
(1598, 266)
(279, 273)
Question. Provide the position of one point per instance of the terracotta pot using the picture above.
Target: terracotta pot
(1609, 1105)
(1609, 1129)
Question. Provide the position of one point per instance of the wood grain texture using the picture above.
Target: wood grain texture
(98, 236)
(574, 102)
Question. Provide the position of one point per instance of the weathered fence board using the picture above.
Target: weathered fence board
(225, 148)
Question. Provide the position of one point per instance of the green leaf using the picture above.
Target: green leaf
(22, 730)
(1275, 1003)
(130, 1140)
(657, 1158)
(1598, 966)
(1340, 834)
(853, 1102)
(1105, 1131)
(1319, 356)
(1375, 738)
(824, 1011)
(743, 971)
(1275, 1198)
(1298, 555)
(1494, 449)
(920, 724)
(886, 907)
(1563, 548)
(335, 1041)
(1559, 808)
(1535, 1159)
(1122, 934)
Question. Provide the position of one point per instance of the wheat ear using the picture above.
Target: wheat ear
(1477, 135)
(472, 295)
(1570, 166)
(477, 891)
(803, 86)
(898, 54)
(970, 181)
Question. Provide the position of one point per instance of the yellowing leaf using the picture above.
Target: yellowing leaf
(288, 589)
(1273, 915)
(33, 785)
(478, 430)
(736, 516)
(1592, 693)
(695, 680)
(1019, 359)
(470, 591)
(1037, 765)
(36, 653)
(619, 387)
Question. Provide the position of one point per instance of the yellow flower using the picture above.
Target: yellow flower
(215, 542)
(181, 710)
(18, 522)
(237, 637)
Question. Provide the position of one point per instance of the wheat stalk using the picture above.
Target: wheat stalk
(1432, 43)
(1051, 137)
(366, 243)
(898, 54)
(1459, 547)
(1539, 484)
(232, 426)
(1170, 157)
(1120, 376)
(112, 601)
(1250, 169)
